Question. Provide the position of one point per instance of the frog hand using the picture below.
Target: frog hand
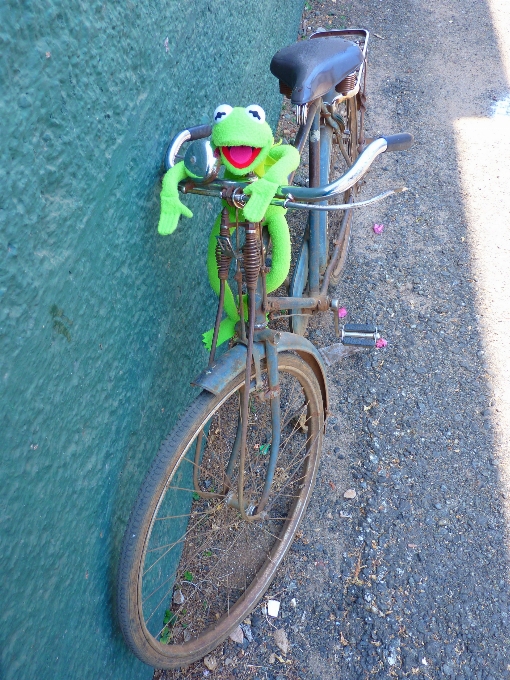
(261, 194)
(171, 210)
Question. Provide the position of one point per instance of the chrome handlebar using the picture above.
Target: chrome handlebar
(355, 173)
(192, 133)
(286, 195)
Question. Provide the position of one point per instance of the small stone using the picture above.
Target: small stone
(211, 663)
(273, 607)
(237, 635)
(281, 640)
(350, 494)
(293, 602)
(228, 662)
(247, 632)
(178, 597)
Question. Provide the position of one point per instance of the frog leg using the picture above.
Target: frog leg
(227, 326)
(280, 237)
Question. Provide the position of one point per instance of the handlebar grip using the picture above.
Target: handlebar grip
(199, 132)
(400, 142)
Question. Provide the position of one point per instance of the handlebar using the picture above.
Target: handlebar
(189, 135)
(287, 195)
(399, 142)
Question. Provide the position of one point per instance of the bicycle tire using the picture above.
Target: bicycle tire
(204, 528)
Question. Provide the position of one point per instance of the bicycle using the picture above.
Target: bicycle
(227, 491)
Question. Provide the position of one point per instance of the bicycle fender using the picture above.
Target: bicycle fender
(229, 365)
(290, 342)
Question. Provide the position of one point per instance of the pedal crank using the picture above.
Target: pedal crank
(362, 335)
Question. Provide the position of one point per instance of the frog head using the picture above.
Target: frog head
(242, 137)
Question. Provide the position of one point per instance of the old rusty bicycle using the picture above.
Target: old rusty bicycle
(226, 493)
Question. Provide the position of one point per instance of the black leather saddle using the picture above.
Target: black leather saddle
(311, 68)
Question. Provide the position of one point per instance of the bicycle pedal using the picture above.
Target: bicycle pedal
(361, 335)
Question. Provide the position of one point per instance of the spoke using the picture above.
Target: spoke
(290, 478)
(201, 467)
(190, 514)
(210, 573)
(277, 538)
(297, 455)
(190, 559)
(171, 546)
(297, 425)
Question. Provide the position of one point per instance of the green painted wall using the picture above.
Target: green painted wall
(100, 319)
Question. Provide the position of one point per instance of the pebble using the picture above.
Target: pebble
(237, 635)
(211, 663)
(178, 597)
(350, 494)
(247, 632)
(281, 640)
(273, 607)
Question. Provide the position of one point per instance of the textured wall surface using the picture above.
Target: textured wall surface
(100, 319)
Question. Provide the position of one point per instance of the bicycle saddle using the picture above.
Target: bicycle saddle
(312, 67)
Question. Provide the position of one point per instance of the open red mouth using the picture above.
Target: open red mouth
(240, 156)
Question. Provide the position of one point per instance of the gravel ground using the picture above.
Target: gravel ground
(409, 578)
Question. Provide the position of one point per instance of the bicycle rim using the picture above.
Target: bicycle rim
(191, 568)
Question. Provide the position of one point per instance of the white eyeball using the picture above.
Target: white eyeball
(222, 112)
(256, 112)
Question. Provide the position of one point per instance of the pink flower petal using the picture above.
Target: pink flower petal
(342, 312)
(381, 342)
(378, 228)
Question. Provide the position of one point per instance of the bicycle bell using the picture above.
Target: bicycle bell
(201, 162)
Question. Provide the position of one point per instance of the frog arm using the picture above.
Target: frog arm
(171, 206)
(264, 189)
(287, 160)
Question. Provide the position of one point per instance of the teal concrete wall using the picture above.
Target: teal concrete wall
(100, 319)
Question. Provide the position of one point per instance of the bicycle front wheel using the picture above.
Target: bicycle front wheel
(191, 568)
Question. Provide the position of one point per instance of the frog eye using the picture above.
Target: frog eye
(222, 112)
(256, 112)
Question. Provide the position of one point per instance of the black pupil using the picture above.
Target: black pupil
(254, 113)
(220, 114)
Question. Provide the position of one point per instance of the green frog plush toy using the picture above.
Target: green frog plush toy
(245, 143)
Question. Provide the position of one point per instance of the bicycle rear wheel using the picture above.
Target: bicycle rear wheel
(191, 569)
(352, 139)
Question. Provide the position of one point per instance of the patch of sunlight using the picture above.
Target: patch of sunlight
(483, 147)
(502, 108)
(500, 11)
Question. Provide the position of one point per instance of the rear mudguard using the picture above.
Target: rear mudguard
(229, 365)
